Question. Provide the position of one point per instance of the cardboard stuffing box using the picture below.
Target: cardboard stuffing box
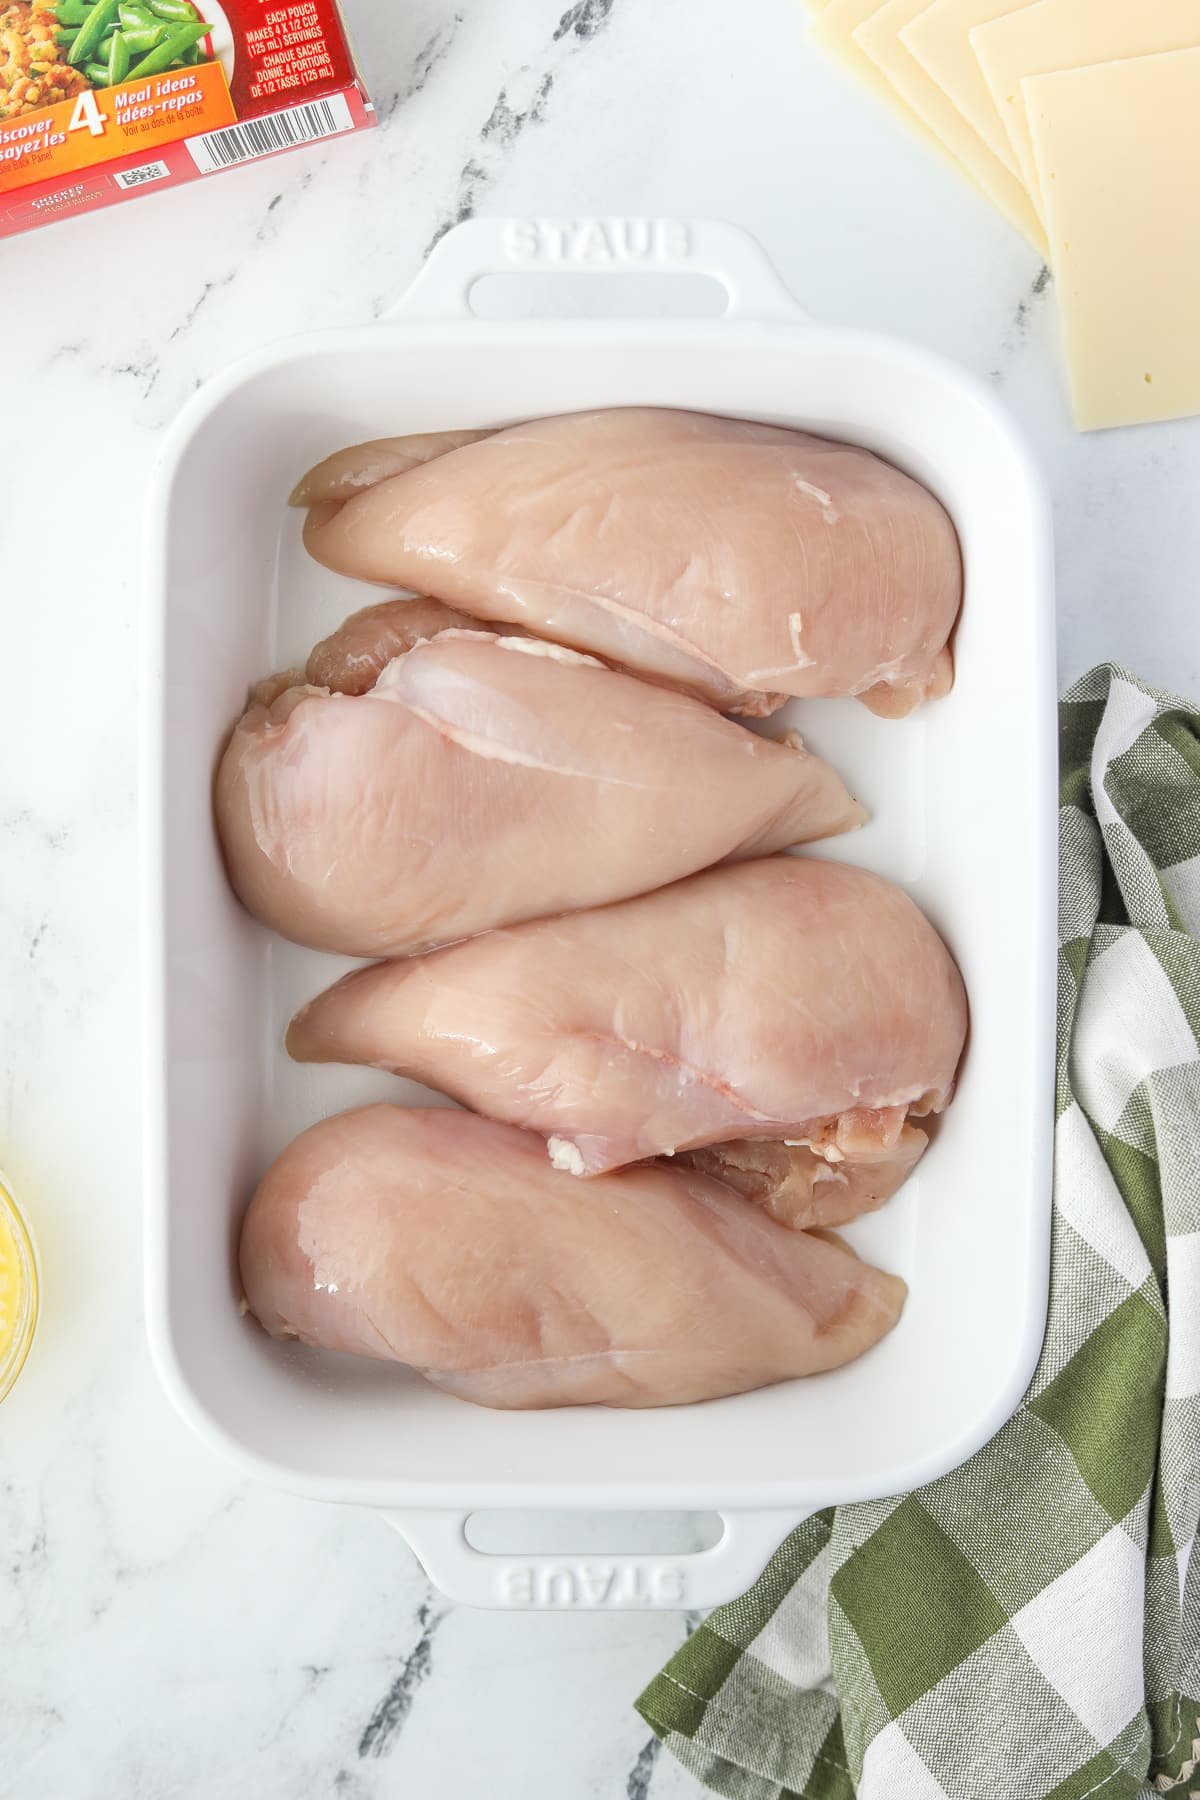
(101, 100)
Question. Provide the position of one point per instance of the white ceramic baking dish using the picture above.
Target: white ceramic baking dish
(963, 796)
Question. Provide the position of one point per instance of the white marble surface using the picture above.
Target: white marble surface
(168, 1632)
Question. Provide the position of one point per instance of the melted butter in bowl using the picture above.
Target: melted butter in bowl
(18, 1292)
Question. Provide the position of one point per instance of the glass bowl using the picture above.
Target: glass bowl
(18, 1291)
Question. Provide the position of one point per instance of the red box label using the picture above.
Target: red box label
(156, 92)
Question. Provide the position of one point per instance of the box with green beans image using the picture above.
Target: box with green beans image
(100, 99)
(112, 41)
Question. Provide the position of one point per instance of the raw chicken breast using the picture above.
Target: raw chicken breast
(347, 472)
(484, 780)
(800, 1188)
(444, 1241)
(355, 656)
(786, 998)
(740, 562)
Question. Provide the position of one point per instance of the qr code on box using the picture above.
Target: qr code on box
(131, 178)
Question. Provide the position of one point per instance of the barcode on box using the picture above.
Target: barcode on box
(274, 131)
(131, 178)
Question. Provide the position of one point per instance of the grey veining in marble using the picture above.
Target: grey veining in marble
(167, 1631)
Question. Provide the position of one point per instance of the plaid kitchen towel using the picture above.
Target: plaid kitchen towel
(1028, 1627)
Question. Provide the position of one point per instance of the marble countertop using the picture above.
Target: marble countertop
(168, 1631)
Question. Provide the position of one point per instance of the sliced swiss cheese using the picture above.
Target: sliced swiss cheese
(1118, 155)
(1071, 34)
(937, 38)
(833, 28)
(879, 36)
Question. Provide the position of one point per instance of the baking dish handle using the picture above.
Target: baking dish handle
(593, 1583)
(608, 246)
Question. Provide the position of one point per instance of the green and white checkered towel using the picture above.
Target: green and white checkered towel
(1028, 1627)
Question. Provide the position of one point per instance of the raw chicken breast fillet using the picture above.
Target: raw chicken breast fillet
(798, 1185)
(782, 999)
(355, 656)
(348, 472)
(740, 562)
(484, 780)
(444, 1241)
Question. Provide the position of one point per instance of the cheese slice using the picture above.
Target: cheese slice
(1071, 34)
(1117, 147)
(937, 38)
(879, 36)
(833, 28)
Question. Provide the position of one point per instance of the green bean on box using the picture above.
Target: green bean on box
(118, 59)
(91, 31)
(141, 41)
(158, 61)
(178, 11)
